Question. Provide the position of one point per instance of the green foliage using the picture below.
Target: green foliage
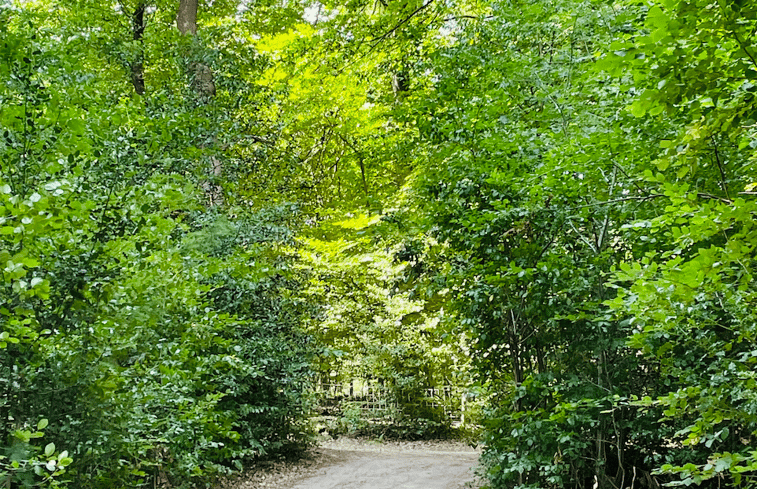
(690, 300)
(550, 203)
(28, 465)
(161, 338)
(535, 181)
(517, 185)
(577, 144)
(376, 329)
(389, 423)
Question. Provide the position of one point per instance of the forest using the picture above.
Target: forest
(210, 208)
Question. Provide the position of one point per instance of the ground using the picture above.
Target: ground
(356, 464)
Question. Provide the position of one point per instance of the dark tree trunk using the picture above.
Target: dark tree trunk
(138, 66)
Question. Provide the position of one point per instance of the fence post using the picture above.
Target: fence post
(462, 408)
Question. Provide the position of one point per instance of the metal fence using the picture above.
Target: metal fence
(375, 399)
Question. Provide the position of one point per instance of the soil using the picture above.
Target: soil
(358, 464)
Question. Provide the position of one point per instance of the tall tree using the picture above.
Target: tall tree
(186, 18)
(138, 32)
(528, 174)
(204, 87)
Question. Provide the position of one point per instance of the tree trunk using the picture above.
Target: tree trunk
(186, 19)
(204, 87)
(516, 357)
(138, 66)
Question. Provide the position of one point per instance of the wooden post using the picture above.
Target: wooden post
(462, 408)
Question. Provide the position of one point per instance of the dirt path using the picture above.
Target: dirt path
(351, 464)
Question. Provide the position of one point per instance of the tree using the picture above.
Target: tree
(690, 299)
(114, 326)
(529, 174)
(186, 18)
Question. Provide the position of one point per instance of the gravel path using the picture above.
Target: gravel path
(353, 464)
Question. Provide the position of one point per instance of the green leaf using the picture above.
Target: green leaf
(638, 108)
(23, 435)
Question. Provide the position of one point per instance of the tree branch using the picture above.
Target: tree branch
(615, 201)
(472, 17)
(377, 40)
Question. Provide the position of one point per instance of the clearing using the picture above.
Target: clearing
(357, 464)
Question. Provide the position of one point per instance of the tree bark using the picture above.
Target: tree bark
(186, 19)
(204, 87)
(138, 66)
